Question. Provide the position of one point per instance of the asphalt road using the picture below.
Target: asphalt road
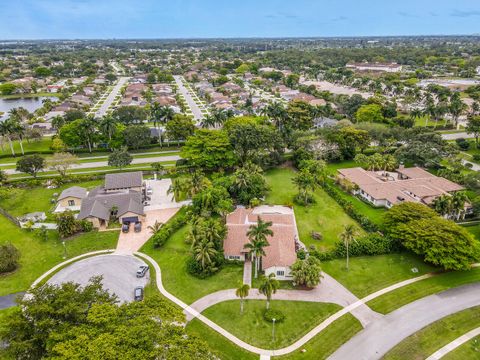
(9, 300)
(197, 113)
(383, 334)
(97, 164)
(111, 97)
(118, 271)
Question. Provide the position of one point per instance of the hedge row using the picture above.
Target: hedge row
(337, 195)
(161, 237)
(369, 245)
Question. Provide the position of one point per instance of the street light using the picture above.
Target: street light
(273, 331)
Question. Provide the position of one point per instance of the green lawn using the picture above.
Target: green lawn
(251, 327)
(28, 200)
(468, 350)
(221, 346)
(368, 274)
(325, 216)
(433, 337)
(38, 256)
(42, 144)
(172, 259)
(397, 298)
(328, 340)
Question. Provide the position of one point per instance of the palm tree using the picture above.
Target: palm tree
(88, 129)
(57, 122)
(204, 253)
(443, 205)
(268, 287)
(416, 114)
(458, 203)
(257, 234)
(389, 163)
(242, 293)
(18, 129)
(7, 128)
(155, 228)
(108, 126)
(348, 236)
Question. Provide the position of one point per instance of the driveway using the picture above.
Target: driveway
(118, 271)
(130, 242)
(384, 333)
(159, 198)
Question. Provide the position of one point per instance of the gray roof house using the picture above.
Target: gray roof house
(323, 122)
(74, 191)
(99, 205)
(124, 181)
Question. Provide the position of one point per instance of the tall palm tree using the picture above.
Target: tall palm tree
(108, 126)
(268, 287)
(458, 203)
(88, 127)
(242, 293)
(348, 236)
(7, 129)
(257, 234)
(443, 205)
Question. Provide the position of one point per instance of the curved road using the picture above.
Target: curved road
(382, 335)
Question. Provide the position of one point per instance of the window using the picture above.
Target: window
(280, 273)
(71, 202)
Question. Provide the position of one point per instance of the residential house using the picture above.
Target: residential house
(281, 252)
(385, 188)
(124, 181)
(71, 199)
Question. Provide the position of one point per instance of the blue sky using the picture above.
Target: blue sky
(53, 19)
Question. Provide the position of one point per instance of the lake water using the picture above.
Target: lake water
(31, 104)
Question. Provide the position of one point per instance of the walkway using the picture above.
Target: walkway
(382, 335)
(329, 291)
(197, 113)
(111, 97)
(8, 301)
(454, 344)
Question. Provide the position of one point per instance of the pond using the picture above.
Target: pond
(31, 104)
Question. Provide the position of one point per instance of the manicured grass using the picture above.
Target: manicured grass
(28, 200)
(221, 346)
(368, 274)
(38, 255)
(325, 216)
(433, 337)
(172, 259)
(468, 350)
(251, 327)
(397, 298)
(42, 144)
(30, 95)
(328, 340)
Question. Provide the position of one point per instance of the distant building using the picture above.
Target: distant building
(381, 67)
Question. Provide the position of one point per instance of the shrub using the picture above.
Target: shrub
(462, 144)
(476, 157)
(85, 226)
(9, 256)
(161, 237)
(271, 314)
(305, 200)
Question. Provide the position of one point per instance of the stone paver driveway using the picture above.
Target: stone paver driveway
(130, 242)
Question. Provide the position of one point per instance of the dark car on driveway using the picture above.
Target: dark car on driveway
(138, 226)
(142, 270)
(138, 293)
(125, 227)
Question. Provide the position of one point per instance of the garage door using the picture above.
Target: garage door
(130, 219)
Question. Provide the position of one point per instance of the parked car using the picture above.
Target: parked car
(142, 270)
(138, 226)
(149, 191)
(138, 293)
(125, 228)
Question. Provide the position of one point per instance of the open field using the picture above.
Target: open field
(368, 274)
(433, 337)
(38, 255)
(325, 216)
(251, 327)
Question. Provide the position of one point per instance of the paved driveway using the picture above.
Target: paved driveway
(384, 333)
(118, 271)
(130, 242)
